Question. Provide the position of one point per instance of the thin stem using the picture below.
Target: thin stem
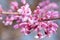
(39, 20)
(9, 13)
(50, 19)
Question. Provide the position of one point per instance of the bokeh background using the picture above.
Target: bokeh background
(8, 33)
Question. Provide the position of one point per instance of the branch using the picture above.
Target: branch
(9, 13)
(39, 20)
(50, 19)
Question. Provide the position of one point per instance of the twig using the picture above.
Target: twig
(50, 19)
(39, 20)
(9, 13)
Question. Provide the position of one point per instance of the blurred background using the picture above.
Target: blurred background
(8, 33)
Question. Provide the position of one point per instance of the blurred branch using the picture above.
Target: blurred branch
(39, 20)
(50, 19)
(9, 13)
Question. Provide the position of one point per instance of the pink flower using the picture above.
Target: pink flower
(1, 8)
(16, 26)
(23, 1)
(29, 21)
(8, 21)
(14, 5)
(39, 35)
(25, 10)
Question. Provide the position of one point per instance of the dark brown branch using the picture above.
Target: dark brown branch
(50, 19)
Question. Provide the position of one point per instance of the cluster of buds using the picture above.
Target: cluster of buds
(29, 21)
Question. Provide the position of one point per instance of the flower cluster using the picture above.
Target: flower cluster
(29, 21)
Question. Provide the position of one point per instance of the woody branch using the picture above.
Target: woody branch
(40, 20)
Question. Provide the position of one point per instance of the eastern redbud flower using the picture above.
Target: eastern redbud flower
(29, 21)
(23, 1)
(45, 10)
(8, 21)
(14, 5)
(1, 10)
(16, 26)
(25, 10)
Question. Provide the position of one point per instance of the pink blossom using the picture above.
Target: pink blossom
(14, 5)
(29, 21)
(8, 21)
(16, 26)
(23, 1)
(25, 10)
(1, 8)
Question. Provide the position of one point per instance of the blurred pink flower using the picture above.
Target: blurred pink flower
(23, 1)
(29, 21)
(14, 5)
